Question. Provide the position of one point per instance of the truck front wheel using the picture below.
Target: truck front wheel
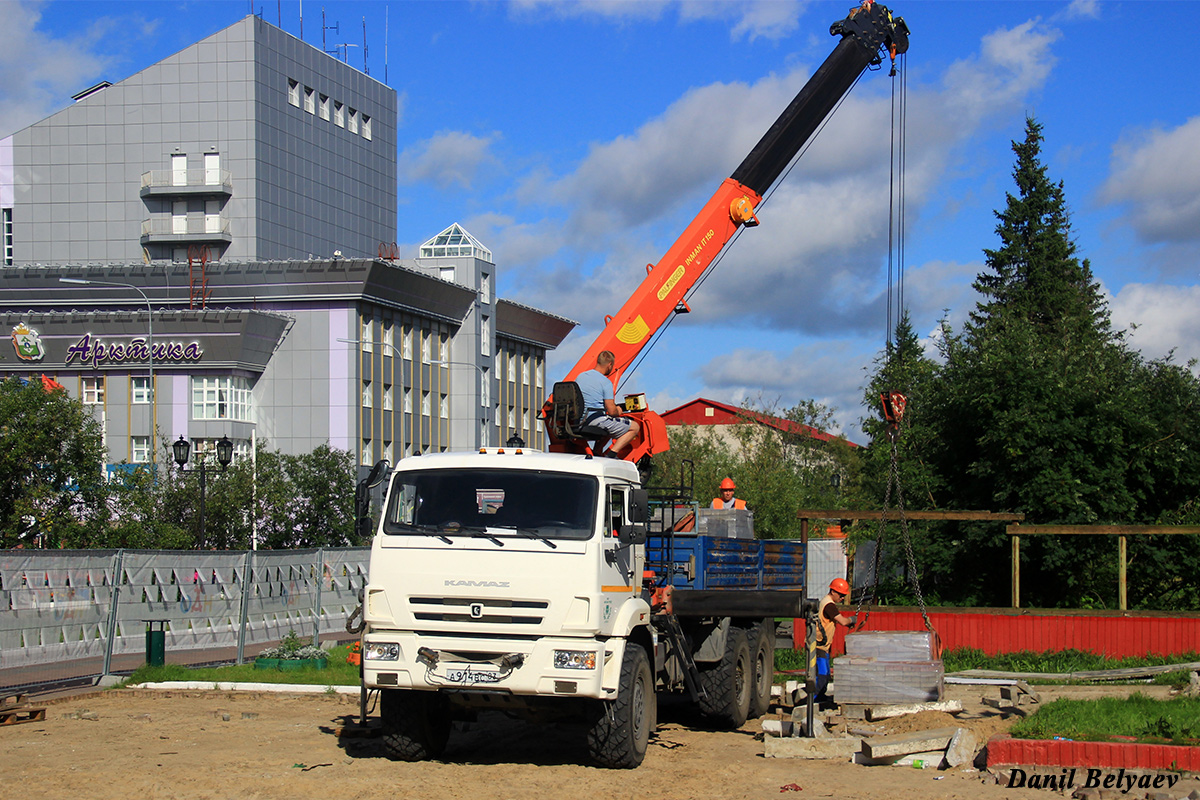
(416, 725)
(619, 730)
(729, 683)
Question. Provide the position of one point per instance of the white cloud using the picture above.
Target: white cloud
(1156, 177)
(750, 19)
(41, 72)
(1159, 319)
(450, 157)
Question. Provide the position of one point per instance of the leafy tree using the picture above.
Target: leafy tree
(1042, 408)
(51, 457)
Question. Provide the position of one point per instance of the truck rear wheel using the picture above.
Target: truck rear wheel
(762, 657)
(728, 684)
(619, 731)
(416, 725)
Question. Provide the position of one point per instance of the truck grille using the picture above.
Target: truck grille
(477, 609)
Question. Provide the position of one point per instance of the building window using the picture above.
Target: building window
(407, 401)
(367, 395)
(339, 114)
(221, 397)
(512, 417)
(446, 274)
(323, 107)
(408, 342)
(139, 392)
(139, 450)
(485, 391)
(387, 397)
(353, 125)
(485, 336)
(8, 236)
(425, 404)
(366, 127)
(294, 92)
(525, 371)
(93, 391)
(389, 339)
(485, 288)
(310, 100)
(442, 351)
(426, 346)
(388, 452)
(368, 345)
(444, 406)
(366, 453)
(212, 169)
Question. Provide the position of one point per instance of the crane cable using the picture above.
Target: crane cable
(893, 402)
(729, 247)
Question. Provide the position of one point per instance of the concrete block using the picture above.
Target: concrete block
(777, 727)
(797, 747)
(998, 702)
(961, 749)
(899, 744)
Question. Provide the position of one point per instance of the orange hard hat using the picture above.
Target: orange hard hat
(840, 586)
(728, 484)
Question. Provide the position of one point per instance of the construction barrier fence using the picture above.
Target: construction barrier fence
(73, 615)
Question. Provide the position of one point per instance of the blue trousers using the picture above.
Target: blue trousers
(823, 673)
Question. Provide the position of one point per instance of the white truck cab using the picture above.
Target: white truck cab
(510, 579)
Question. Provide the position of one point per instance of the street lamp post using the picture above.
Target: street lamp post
(149, 340)
(224, 455)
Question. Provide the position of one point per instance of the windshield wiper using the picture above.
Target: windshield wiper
(429, 530)
(531, 533)
(479, 533)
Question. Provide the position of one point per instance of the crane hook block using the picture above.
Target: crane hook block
(893, 406)
(742, 211)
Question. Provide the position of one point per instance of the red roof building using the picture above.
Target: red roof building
(709, 412)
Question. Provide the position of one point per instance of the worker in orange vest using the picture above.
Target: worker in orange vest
(726, 498)
(828, 618)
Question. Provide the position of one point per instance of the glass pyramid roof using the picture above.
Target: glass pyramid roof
(455, 241)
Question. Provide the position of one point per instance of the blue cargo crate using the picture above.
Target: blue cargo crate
(707, 562)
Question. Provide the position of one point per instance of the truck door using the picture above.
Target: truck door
(624, 550)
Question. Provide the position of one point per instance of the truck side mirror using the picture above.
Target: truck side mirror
(639, 505)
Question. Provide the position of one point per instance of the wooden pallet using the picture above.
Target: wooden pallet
(13, 710)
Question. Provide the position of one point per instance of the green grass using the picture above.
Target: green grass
(1064, 661)
(336, 673)
(1142, 718)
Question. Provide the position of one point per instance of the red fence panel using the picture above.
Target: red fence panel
(1114, 634)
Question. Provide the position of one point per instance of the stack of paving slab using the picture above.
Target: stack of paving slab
(888, 667)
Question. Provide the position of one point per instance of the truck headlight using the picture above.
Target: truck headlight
(381, 651)
(574, 659)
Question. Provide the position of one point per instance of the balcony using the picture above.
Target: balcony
(187, 183)
(186, 230)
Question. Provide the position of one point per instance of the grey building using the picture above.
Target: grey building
(250, 144)
(196, 251)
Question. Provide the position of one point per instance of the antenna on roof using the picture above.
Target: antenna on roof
(366, 69)
(334, 27)
(385, 42)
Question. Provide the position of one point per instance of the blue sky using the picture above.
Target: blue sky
(576, 139)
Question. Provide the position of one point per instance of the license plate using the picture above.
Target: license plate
(472, 675)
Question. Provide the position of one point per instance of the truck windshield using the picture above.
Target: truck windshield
(526, 503)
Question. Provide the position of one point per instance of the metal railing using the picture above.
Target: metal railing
(72, 616)
(189, 178)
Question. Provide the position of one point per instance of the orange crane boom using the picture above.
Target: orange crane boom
(869, 29)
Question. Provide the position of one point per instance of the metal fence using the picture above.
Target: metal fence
(74, 615)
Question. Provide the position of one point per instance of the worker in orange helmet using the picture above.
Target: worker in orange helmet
(828, 618)
(725, 498)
